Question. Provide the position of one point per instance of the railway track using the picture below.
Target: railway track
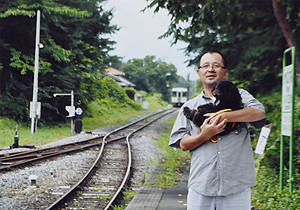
(102, 185)
(10, 161)
(101, 182)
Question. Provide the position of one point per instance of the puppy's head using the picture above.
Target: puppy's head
(226, 90)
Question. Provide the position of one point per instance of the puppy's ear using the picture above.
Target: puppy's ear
(235, 92)
(234, 98)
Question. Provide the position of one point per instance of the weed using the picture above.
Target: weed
(143, 180)
(128, 194)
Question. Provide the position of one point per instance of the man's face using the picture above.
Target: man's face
(215, 69)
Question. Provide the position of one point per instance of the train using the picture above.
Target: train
(179, 96)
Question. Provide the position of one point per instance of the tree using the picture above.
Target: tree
(287, 14)
(75, 49)
(245, 31)
(151, 75)
(181, 82)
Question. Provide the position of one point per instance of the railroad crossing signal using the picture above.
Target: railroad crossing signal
(70, 109)
(78, 111)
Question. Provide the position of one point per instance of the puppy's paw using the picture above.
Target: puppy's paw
(186, 112)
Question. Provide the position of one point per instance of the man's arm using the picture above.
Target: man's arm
(248, 114)
(210, 128)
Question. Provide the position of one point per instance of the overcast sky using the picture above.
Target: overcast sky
(138, 36)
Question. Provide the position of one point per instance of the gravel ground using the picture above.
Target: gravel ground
(16, 191)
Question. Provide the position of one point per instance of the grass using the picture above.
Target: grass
(43, 136)
(171, 160)
(102, 114)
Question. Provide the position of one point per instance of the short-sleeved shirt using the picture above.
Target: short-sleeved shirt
(222, 168)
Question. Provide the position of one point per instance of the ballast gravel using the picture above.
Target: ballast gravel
(17, 191)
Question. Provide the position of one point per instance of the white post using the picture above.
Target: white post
(36, 72)
(72, 104)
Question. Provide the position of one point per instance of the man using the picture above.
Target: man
(222, 173)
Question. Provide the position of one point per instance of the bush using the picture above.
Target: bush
(271, 159)
(130, 93)
(267, 195)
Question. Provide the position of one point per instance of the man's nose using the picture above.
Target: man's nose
(211, 69)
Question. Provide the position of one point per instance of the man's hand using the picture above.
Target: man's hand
(213, 126)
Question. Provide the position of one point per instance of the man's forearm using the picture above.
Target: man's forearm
(248, 114)
(191, 142)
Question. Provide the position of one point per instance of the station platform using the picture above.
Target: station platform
(149, 198)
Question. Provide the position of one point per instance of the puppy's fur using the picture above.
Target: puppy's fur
(227, 97)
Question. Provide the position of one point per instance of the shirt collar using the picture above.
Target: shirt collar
(203, 95)
(207, 98)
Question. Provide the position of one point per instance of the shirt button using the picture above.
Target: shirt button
(219, 152)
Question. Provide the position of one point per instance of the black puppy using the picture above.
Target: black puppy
(227, 97)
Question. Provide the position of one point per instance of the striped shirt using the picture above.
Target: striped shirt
(222, 168)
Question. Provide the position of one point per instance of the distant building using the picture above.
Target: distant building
(117, 75)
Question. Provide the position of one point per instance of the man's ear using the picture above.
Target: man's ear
(225, 73)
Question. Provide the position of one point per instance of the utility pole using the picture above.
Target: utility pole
(34, 105)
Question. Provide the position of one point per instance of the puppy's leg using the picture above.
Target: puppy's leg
(201, 110)
(199, 118)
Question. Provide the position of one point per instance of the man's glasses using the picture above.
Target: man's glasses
(215, 66)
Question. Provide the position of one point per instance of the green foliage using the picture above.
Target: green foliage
(101, 113)
(246, 32)
(271, 159)
(108, 111)
(288, 14)
(72, 33)
(181, 82)
(104, 88)
(282, 200)
(128, 195)
(151, 75)
(266, 195)
(157, 98)
(130, 93)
